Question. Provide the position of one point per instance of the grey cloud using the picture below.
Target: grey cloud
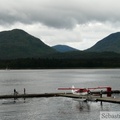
(59, 13)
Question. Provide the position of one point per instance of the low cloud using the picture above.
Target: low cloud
(60, 13)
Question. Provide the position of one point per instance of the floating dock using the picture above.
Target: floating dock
(109, 99)
(70, 95)
(29, 95)
(93, 98)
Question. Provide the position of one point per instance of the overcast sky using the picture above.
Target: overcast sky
(77, 23)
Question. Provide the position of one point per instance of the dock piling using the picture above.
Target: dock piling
(101, 92)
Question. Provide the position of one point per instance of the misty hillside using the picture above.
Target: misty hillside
(19, 44)
(110, 43)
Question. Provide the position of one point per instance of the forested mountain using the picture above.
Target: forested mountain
(19, 44)
(20, 50)
(110, 43)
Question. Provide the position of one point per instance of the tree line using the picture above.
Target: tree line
(53, 63)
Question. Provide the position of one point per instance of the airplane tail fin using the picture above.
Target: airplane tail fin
(73, 91)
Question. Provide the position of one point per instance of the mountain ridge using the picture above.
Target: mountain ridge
(111, 43)
(17, 43)
(19, 50)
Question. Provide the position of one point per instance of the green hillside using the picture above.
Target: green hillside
(111, 44)
(19, 44)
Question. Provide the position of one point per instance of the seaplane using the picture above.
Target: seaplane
(79, 92)
(84, 94)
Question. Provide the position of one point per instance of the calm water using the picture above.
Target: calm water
(46, 81)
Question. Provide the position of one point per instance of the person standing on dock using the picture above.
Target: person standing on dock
(15, 92)
(24, 91)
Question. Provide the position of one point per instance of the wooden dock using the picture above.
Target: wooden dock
(109, 99)
(70, 95)
(29, 95)
(93, 98)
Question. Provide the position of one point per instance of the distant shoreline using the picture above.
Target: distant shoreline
(60, 64)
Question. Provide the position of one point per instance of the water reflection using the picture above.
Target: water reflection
(84, 106)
